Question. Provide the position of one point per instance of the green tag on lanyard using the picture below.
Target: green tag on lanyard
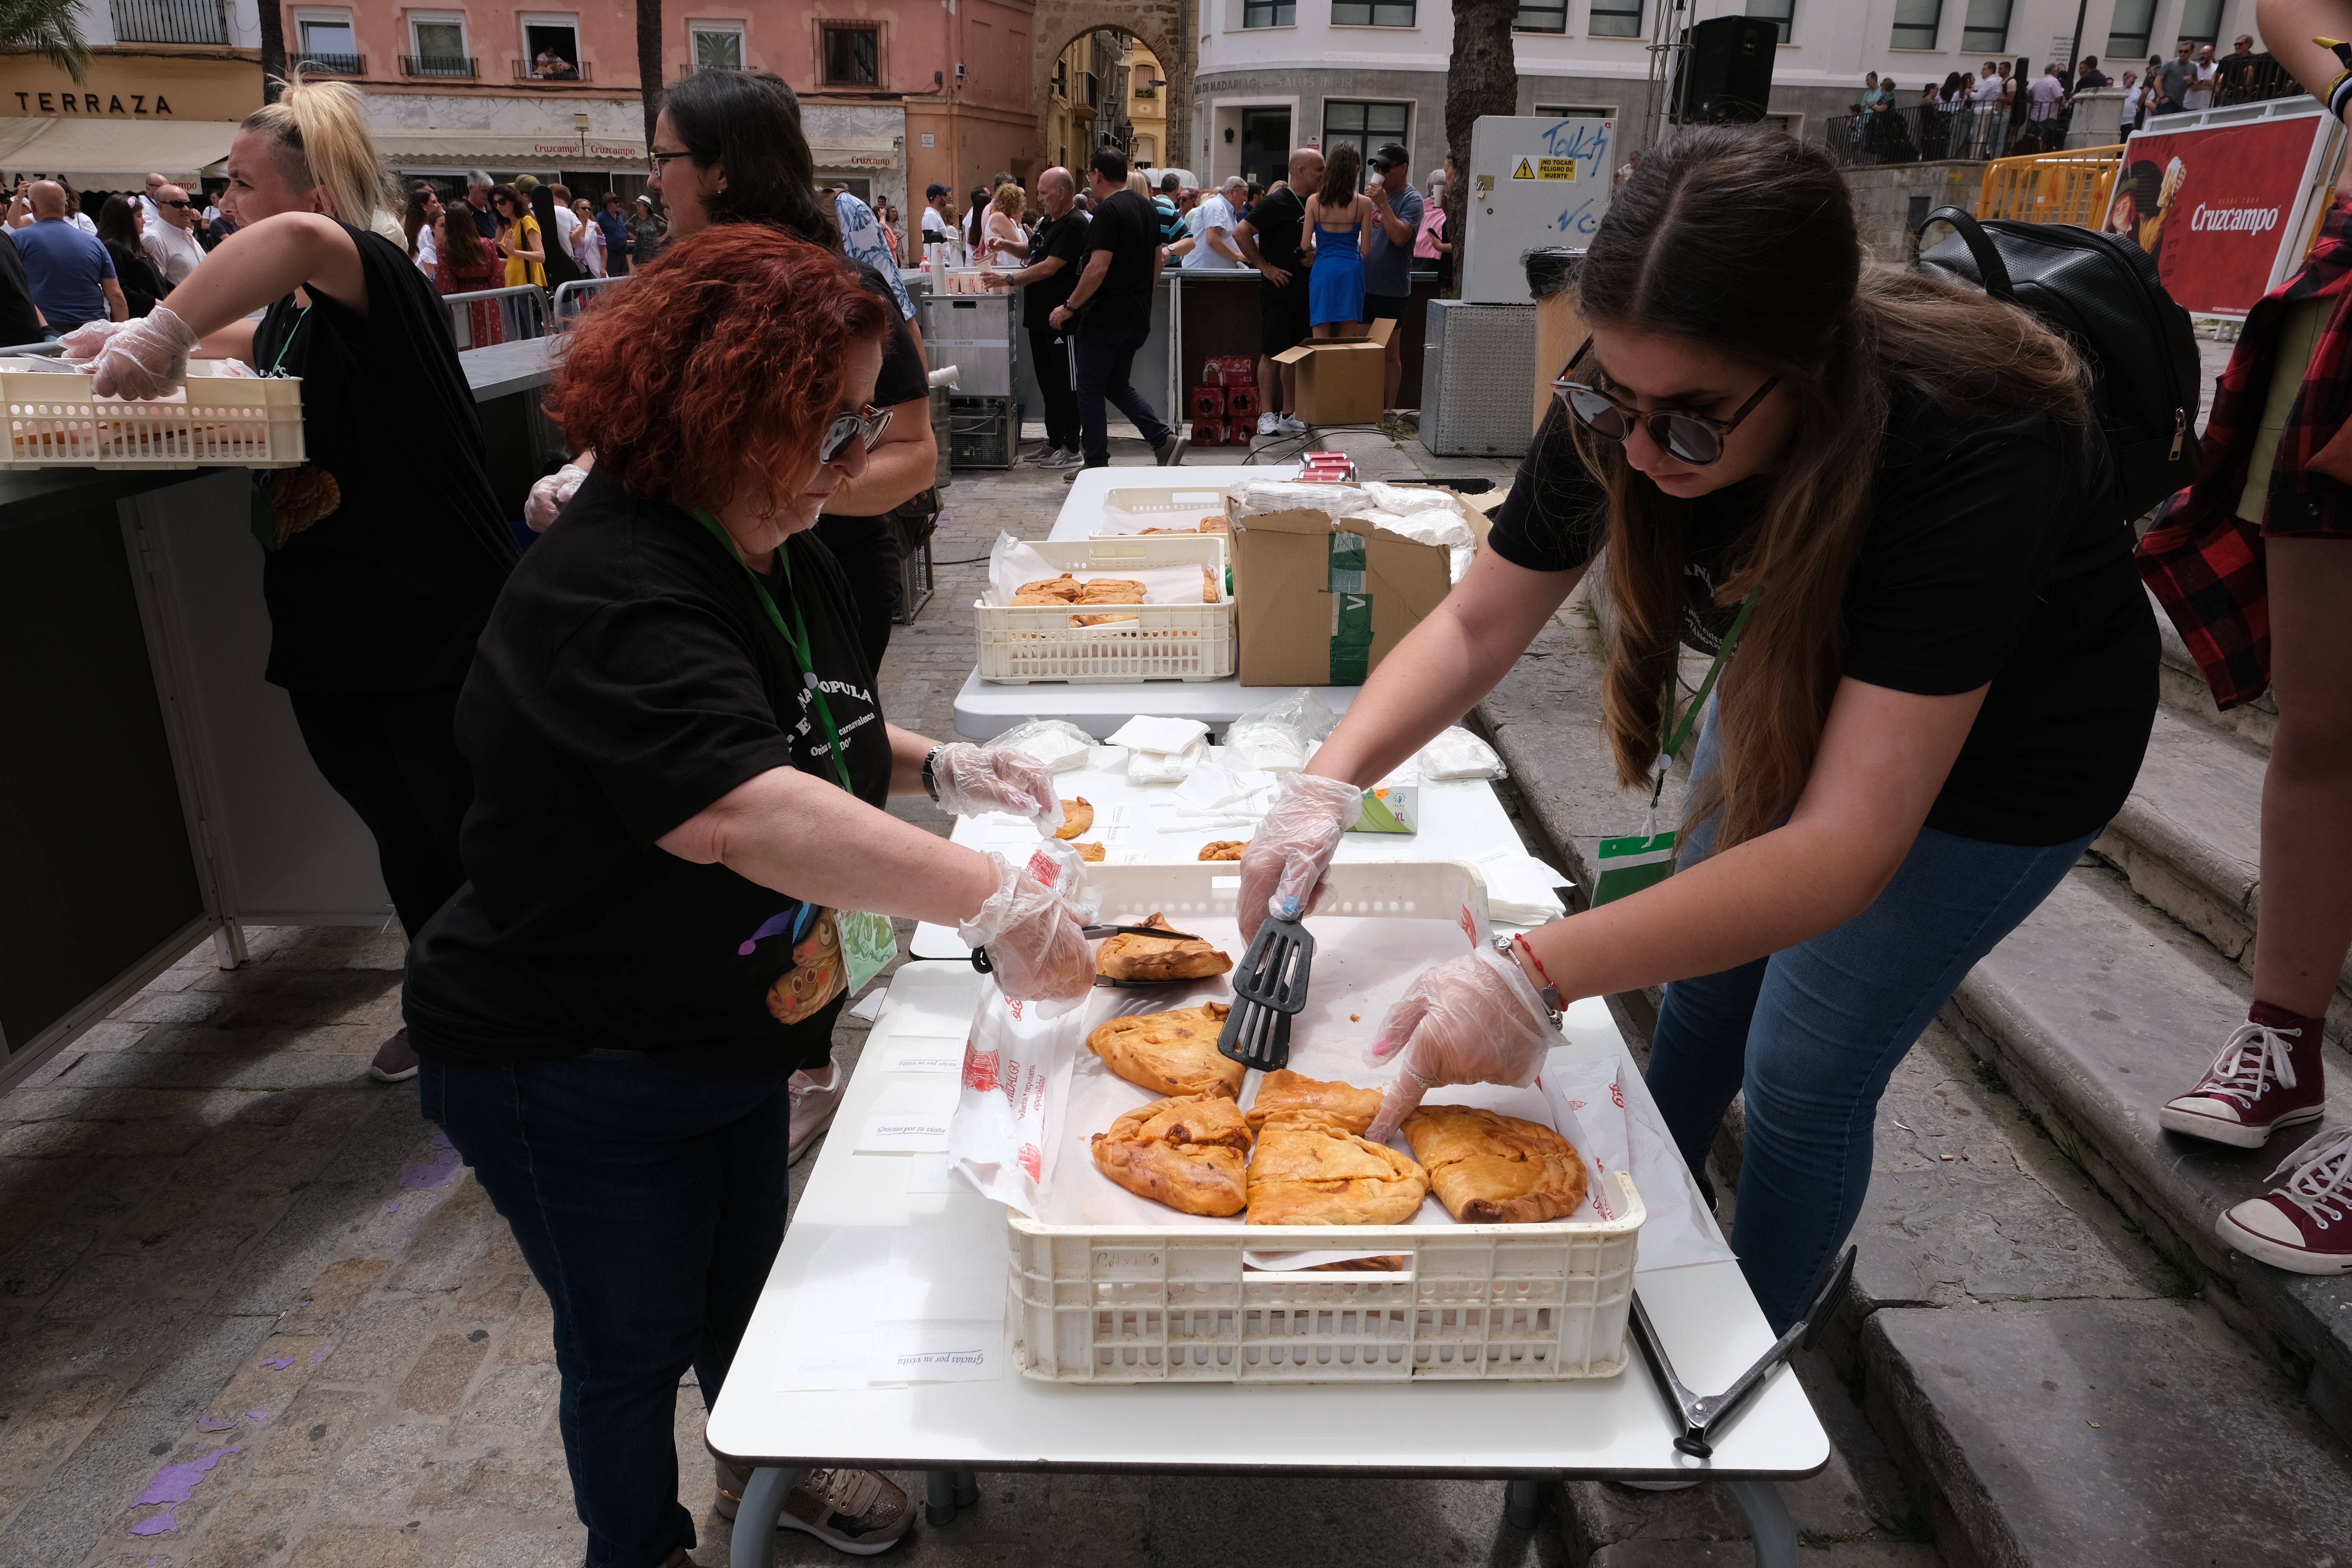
(1628, 865)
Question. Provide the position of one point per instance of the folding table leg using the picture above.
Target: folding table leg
(939, 1497)
(755, 1541)
(1522, 1503)
(967, 1488)
(1768, 1521)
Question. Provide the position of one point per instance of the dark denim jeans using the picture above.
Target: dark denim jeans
(1811, 1036)
(1105, 360)
(649, 1204)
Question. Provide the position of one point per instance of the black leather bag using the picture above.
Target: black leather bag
(2102, 291)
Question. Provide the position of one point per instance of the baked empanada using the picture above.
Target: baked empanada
(1111, 591)
(1187, 1151)
(1490, 1168)
(1170, 1053)
(1344, 1103)
(1309, 1169)
(1061, 590)
(1089, 851)
(1105, 619)
(1170, 957)
(1076, 817)
(1224, 849)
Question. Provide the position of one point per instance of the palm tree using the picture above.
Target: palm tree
(49, 26)
(1481, 77)
(649, 62)
(273, 49)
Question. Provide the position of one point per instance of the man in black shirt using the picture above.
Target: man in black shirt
(1112, 304)
(1056, 251)
(1269, 239)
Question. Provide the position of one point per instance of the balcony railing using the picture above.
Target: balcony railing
(437, 65)
(332, 64)
(1926, 133)
(525, 71)
(169, 22)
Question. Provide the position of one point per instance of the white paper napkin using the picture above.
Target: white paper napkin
(1145, 733)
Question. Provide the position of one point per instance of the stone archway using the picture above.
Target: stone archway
(1164, 27)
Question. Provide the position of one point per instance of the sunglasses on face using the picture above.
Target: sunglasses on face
(1693, 438)
(868, 425)
(183, 206)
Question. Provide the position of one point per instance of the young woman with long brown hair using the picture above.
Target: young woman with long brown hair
(1940, 694)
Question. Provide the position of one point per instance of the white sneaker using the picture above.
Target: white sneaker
(1290, 425)
(813, 1108)
(1060, 457)
(1269, 423)
(1039, 454)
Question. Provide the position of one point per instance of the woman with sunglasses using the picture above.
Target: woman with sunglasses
(680, 775)
(1937, 670)
(518, 240)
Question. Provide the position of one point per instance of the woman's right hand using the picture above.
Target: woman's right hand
(1283, 867)
(1037, 948)
(550, 495)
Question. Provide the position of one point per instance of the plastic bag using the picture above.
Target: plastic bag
(1059, 744)
(1292, 495)
(1279, 737)
(1165, 767)
(1016, 1066)
(1457, 753)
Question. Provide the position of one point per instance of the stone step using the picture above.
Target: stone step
(2184, 691)
(2189, 839)
(2095, 1011)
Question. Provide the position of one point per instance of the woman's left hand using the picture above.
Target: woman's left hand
(976, 779)
(1472, 1019)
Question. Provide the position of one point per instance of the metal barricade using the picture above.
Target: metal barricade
(2052, 187)
(572, 298)
(497, 315)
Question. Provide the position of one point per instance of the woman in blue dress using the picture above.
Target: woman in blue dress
(1336, 217)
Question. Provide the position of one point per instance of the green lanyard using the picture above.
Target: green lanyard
(1682, 727)
(300, 316)
(796, 637)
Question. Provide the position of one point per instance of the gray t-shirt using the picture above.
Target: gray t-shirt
(1387, 265)
(2175, 79)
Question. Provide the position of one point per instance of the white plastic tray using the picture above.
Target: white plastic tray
(1024, 643)
(56, 421)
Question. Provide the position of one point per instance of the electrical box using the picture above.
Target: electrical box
(1534, 181)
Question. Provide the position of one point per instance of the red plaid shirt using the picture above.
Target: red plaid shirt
(2204, 563)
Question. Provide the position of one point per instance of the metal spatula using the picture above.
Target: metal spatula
(1269, 988)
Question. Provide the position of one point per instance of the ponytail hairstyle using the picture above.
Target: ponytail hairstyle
(1343, 174)
(321, 129)
(1743, 243)
(750, 121)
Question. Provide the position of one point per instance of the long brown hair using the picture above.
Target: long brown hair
(1743, 243)
(461, 242)
(1343, 172)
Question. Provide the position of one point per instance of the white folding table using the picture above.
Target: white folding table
(1618, 1427)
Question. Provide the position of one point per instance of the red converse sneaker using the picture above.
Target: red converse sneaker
(2305, 1225)
(2267, 1076)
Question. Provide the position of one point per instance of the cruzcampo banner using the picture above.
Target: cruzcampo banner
(2226, 210)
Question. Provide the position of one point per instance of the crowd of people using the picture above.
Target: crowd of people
(66, 268)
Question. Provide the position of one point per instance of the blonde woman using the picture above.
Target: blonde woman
(1002, 234)
(587, 240)
(374, 603)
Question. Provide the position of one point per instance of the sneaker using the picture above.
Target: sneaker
(395, 1061)
(813, 1108)
(1170, 452)
(1269, 423)
(2304, 1223)
(857, 1511)
(1290, 425)
(2253, 1086)
(1061, 458)
(1039, 454)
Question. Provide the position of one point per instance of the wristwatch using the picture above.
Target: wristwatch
(1546, 992)
(931, 777)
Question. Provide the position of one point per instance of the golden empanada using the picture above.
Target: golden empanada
(1187, 1151)
(1089, 851)
(1076, 817)
(1344, 1103)
(1061, 590)
(1309, 1170)
(1104, 620)
(1170, 1053)
(1490, 1168)
(1224, 849)
(1111, 591)
(1170, 957)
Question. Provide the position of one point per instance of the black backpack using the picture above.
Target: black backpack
(2102, 291)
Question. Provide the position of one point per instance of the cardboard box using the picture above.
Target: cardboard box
(1340, 379)
(1208, 433)
(1320, 604)
(1240, 401)
(1207, 403)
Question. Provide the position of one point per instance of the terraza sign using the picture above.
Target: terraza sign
(88, 103)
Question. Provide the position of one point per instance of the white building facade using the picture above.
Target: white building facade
(1275, 73)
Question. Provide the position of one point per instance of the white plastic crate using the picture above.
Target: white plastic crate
(55, 421)
(1132, 510)
(1024, 643)
(1175, 1303)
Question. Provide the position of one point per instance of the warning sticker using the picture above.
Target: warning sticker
(1525, 171)
(1555, 169)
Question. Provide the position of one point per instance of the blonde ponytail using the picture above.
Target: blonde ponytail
(324, 124)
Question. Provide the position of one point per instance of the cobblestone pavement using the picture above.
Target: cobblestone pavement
(253, 1312)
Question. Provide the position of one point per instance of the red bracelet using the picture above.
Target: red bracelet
(1520, 937)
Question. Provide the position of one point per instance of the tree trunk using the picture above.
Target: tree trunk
(649, 64)
(1483, 78)
(273, 49)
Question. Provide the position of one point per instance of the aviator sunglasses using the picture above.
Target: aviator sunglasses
(869, 425)
(1693, 438)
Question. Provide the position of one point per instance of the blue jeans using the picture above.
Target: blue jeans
(1105, 360)
(1812, 1034)
(649, 1204)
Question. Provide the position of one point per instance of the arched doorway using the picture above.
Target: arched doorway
(1120, 47)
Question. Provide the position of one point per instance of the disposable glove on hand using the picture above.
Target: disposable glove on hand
(1291, 850)
(1036, 947)
(549, 496)
(1472, 1019)
(975, 779)
(146, 358)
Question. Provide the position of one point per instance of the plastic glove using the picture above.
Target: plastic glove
(1472, 1019)
(1282, 869)
(550, 497)
(146, 358)
(1036, 947)
(975, 779)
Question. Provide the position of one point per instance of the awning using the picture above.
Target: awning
(859, 152)
(114, 154)
(510, 150)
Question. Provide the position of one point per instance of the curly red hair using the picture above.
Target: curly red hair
(713, 373)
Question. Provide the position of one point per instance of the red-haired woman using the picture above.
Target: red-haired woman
(679, 773)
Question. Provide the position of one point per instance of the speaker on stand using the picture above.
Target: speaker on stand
(1723, 72)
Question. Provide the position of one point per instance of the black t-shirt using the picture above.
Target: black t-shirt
(20, 323)
(388, 591)
(629, 678)
(1063, 237)
(1958, 587)
(1277, 220)
(1128, 227)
